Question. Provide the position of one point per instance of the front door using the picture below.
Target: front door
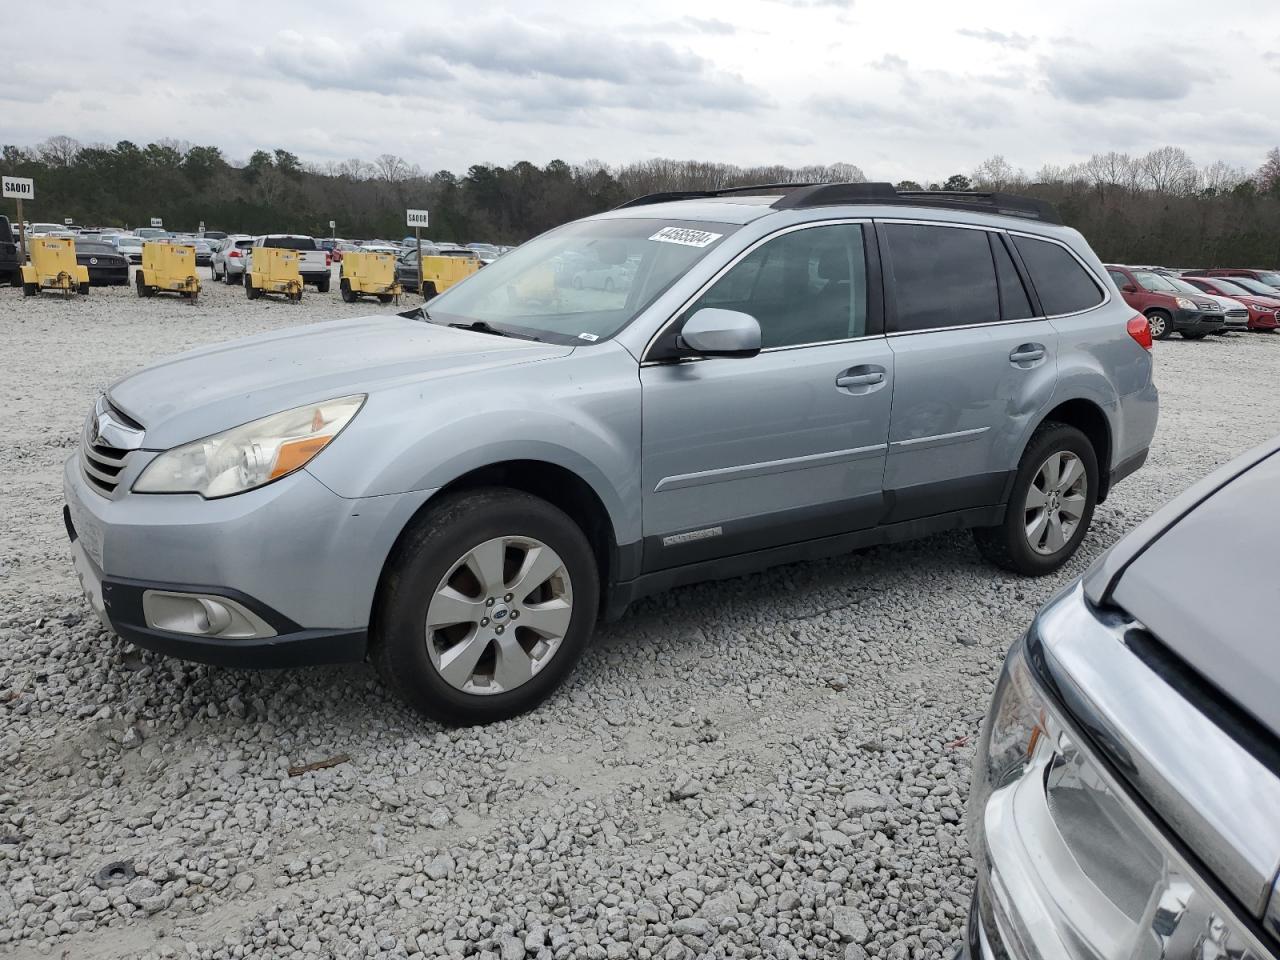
(742, 454)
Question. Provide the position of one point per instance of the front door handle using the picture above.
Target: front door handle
(1027, 353)
(860, 379)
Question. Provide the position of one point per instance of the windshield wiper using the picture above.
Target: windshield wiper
(482, 326)
(418, 313)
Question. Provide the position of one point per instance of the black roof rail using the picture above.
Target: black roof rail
(799, 196)
(705, 194)
(1005, 204)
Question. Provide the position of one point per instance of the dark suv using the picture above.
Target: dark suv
(1126, 785)
(1168, 309)
(9, 263)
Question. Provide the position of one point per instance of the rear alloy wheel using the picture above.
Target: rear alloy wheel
(1161, 325)
(488, 603)
(1050, 506)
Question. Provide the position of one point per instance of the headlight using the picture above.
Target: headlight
(250, 455)
(1068, 866)
(1185, 304)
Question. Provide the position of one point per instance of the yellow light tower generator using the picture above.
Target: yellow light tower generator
(273, 270)
(53, 267)
(168, 268)
(368, 274)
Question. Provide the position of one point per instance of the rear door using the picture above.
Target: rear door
(973, 365)
(744, 454)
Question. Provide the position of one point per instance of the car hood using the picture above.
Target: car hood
(1222, 534)
(1261, 303)
(214, 388)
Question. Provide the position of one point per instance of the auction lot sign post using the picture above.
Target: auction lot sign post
(418, 219)
(19, 188)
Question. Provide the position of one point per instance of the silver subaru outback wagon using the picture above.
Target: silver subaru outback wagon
(459, 492)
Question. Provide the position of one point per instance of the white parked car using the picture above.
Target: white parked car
(129, 247)
(1235, 312)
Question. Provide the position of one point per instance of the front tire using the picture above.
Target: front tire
(488, 602)
(1161, 325)
(1051, 504)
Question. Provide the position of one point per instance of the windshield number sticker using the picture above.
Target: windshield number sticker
(686, 237)
(589, 337)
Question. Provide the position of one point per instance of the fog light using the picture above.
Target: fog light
(202, 615)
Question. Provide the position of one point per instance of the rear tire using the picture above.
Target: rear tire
(250, 290)
(141, 285)
(344, 287)
(323, 286)
(29, 290)
(385, 298)
(1010, 545)
(1161, 325)
(83, 289)
(431, 561)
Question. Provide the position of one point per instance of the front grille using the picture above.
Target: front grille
(1240, 314)
(102, 465)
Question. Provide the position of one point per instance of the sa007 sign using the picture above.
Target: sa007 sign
(19, 188)
(416, 218)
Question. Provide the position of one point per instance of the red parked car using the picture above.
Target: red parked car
(1264, 311)
(1166, 308)
(1270, 277)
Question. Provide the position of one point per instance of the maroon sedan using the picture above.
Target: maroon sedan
(1264, 311)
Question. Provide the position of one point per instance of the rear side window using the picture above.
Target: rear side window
(290, 243)
(1063, 284)
(941, 276)
(1014, 302)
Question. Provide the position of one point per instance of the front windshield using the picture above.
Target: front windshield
(1253, 286)
(1228, 288)
(580, 283)
(1154, 282)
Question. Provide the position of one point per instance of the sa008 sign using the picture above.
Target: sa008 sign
(19, 188)
(416, 218)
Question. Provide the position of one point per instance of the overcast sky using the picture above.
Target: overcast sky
(903, 88)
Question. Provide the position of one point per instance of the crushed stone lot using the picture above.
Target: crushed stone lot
(772, 766)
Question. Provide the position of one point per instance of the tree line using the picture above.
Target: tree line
(1157, 208)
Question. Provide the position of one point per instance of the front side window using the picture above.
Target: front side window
(806, 286)
(582, 282)
(1062, 283)
(941, 277)
(1153, 282)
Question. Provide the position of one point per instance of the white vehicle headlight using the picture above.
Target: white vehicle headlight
(250, 455)
(1185, 304)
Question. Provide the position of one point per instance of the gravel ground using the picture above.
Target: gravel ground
(773, 766)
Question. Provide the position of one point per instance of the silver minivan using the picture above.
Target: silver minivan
(459, 492)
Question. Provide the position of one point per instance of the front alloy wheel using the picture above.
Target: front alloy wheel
(499, 615)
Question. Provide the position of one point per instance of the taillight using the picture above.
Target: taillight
(1140, 329)
(233, 253)
(328, 260)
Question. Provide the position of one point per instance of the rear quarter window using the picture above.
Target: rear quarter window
(1064, 286)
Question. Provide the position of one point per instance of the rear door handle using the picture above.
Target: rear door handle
(1026, 353)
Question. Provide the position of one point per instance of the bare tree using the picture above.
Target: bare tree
(1222, 177)
(996, 173)
(59, 151)
(391, 168)
(1268, 175)
(1169, 170)
(1111, 169)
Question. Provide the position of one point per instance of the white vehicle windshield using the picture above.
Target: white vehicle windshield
(582, 282)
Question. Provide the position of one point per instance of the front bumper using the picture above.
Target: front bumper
(1259, 320)
(301, 558)
(109, 276)
(1196, 321)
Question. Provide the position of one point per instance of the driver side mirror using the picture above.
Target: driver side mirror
(712, 332)
(1128, 288)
